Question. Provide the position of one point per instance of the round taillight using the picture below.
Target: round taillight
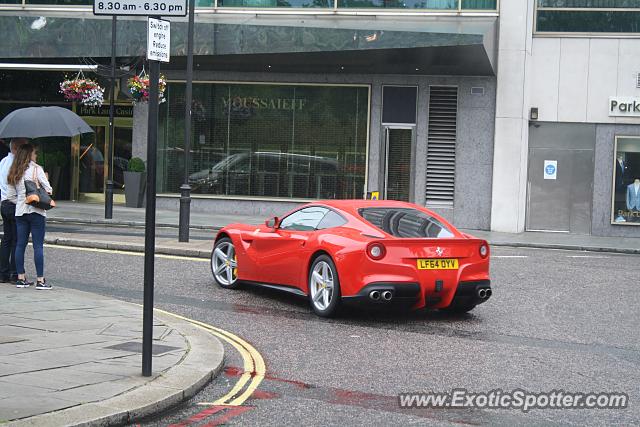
(484, 250)
(376, 251)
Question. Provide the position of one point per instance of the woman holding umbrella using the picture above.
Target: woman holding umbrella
(29, 219)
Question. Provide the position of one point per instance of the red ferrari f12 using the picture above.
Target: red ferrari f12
(365, 252)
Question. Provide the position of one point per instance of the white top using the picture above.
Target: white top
(17, 193)
(5, 165)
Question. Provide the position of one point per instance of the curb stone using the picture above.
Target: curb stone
(205, 254)
(120, 223)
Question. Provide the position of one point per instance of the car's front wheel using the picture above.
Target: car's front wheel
(324, 287)
(224, 264)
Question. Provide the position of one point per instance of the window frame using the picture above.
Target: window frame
(334, 7)
(594, 34)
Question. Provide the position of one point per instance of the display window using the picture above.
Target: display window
(626, 181)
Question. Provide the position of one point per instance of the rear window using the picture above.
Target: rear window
(405, 222)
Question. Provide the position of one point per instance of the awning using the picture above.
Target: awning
(313, 44)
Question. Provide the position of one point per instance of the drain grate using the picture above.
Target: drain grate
(136, 346)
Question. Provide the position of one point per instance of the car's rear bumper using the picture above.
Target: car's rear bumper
(409, 294)
(402, 295)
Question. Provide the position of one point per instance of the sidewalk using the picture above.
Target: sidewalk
(84, 213)
(69, 357)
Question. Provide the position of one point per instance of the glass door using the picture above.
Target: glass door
(398, 174)
(92, 163)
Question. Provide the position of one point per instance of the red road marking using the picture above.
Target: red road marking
(200, 415)
(259, 394)
(233, 371)
(234, 411)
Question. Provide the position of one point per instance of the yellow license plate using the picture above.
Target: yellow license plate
(438, 264)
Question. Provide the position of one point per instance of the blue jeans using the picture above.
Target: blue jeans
(33, 224)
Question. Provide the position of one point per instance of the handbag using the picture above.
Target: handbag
(37, 196)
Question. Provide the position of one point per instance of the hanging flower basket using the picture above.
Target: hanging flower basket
(85, 91)
(139, 87)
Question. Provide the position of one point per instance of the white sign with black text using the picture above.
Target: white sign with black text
(140, 7)
(624, 106)
(158, 40)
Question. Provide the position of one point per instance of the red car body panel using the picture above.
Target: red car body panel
(283, 257)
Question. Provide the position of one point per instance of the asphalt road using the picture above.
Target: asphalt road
(558, 320)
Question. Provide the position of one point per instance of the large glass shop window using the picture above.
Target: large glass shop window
(267, 140)
(626, 185)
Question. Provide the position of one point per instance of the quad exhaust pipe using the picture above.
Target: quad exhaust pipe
(378, 295)
(484, 293)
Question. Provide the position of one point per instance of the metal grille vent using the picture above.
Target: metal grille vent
(638, 80)
(441, 145)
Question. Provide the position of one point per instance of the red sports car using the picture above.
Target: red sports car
(369, 252)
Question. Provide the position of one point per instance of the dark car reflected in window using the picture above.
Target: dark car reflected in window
(271, 174)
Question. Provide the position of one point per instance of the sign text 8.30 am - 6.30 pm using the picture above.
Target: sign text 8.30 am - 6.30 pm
(140, 7)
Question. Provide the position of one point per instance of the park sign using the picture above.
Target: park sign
(140, 7)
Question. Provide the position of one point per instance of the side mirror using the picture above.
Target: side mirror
(271, 222)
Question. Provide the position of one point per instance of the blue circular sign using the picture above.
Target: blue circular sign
(550, 169)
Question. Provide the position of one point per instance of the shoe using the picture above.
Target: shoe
(23, 283)
(43, 285)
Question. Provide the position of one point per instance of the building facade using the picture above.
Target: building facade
(568, 116)
(501, 115)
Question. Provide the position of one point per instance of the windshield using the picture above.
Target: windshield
(405, 222)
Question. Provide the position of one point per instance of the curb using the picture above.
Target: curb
(206, 254)
(130, 247)
(118, 223)
(560, 246)
(201, 364)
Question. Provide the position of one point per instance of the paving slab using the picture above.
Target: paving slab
(90, 374)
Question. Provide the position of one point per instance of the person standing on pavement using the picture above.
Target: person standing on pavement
(29, 219)
(8, 211)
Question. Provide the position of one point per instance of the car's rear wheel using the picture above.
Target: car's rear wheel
(324, 287)
(224, 264)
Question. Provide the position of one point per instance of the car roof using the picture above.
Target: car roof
(352, 205)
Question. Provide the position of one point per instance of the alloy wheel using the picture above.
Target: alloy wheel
(224, 264)
(321, 285)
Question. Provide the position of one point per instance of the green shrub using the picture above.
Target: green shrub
(136, 164)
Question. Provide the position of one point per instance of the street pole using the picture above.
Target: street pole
(185, 188)
(150, 219)
(108, 195)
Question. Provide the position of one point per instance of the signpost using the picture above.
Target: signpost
(158, 47)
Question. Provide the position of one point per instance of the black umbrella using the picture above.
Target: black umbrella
(40, 122)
